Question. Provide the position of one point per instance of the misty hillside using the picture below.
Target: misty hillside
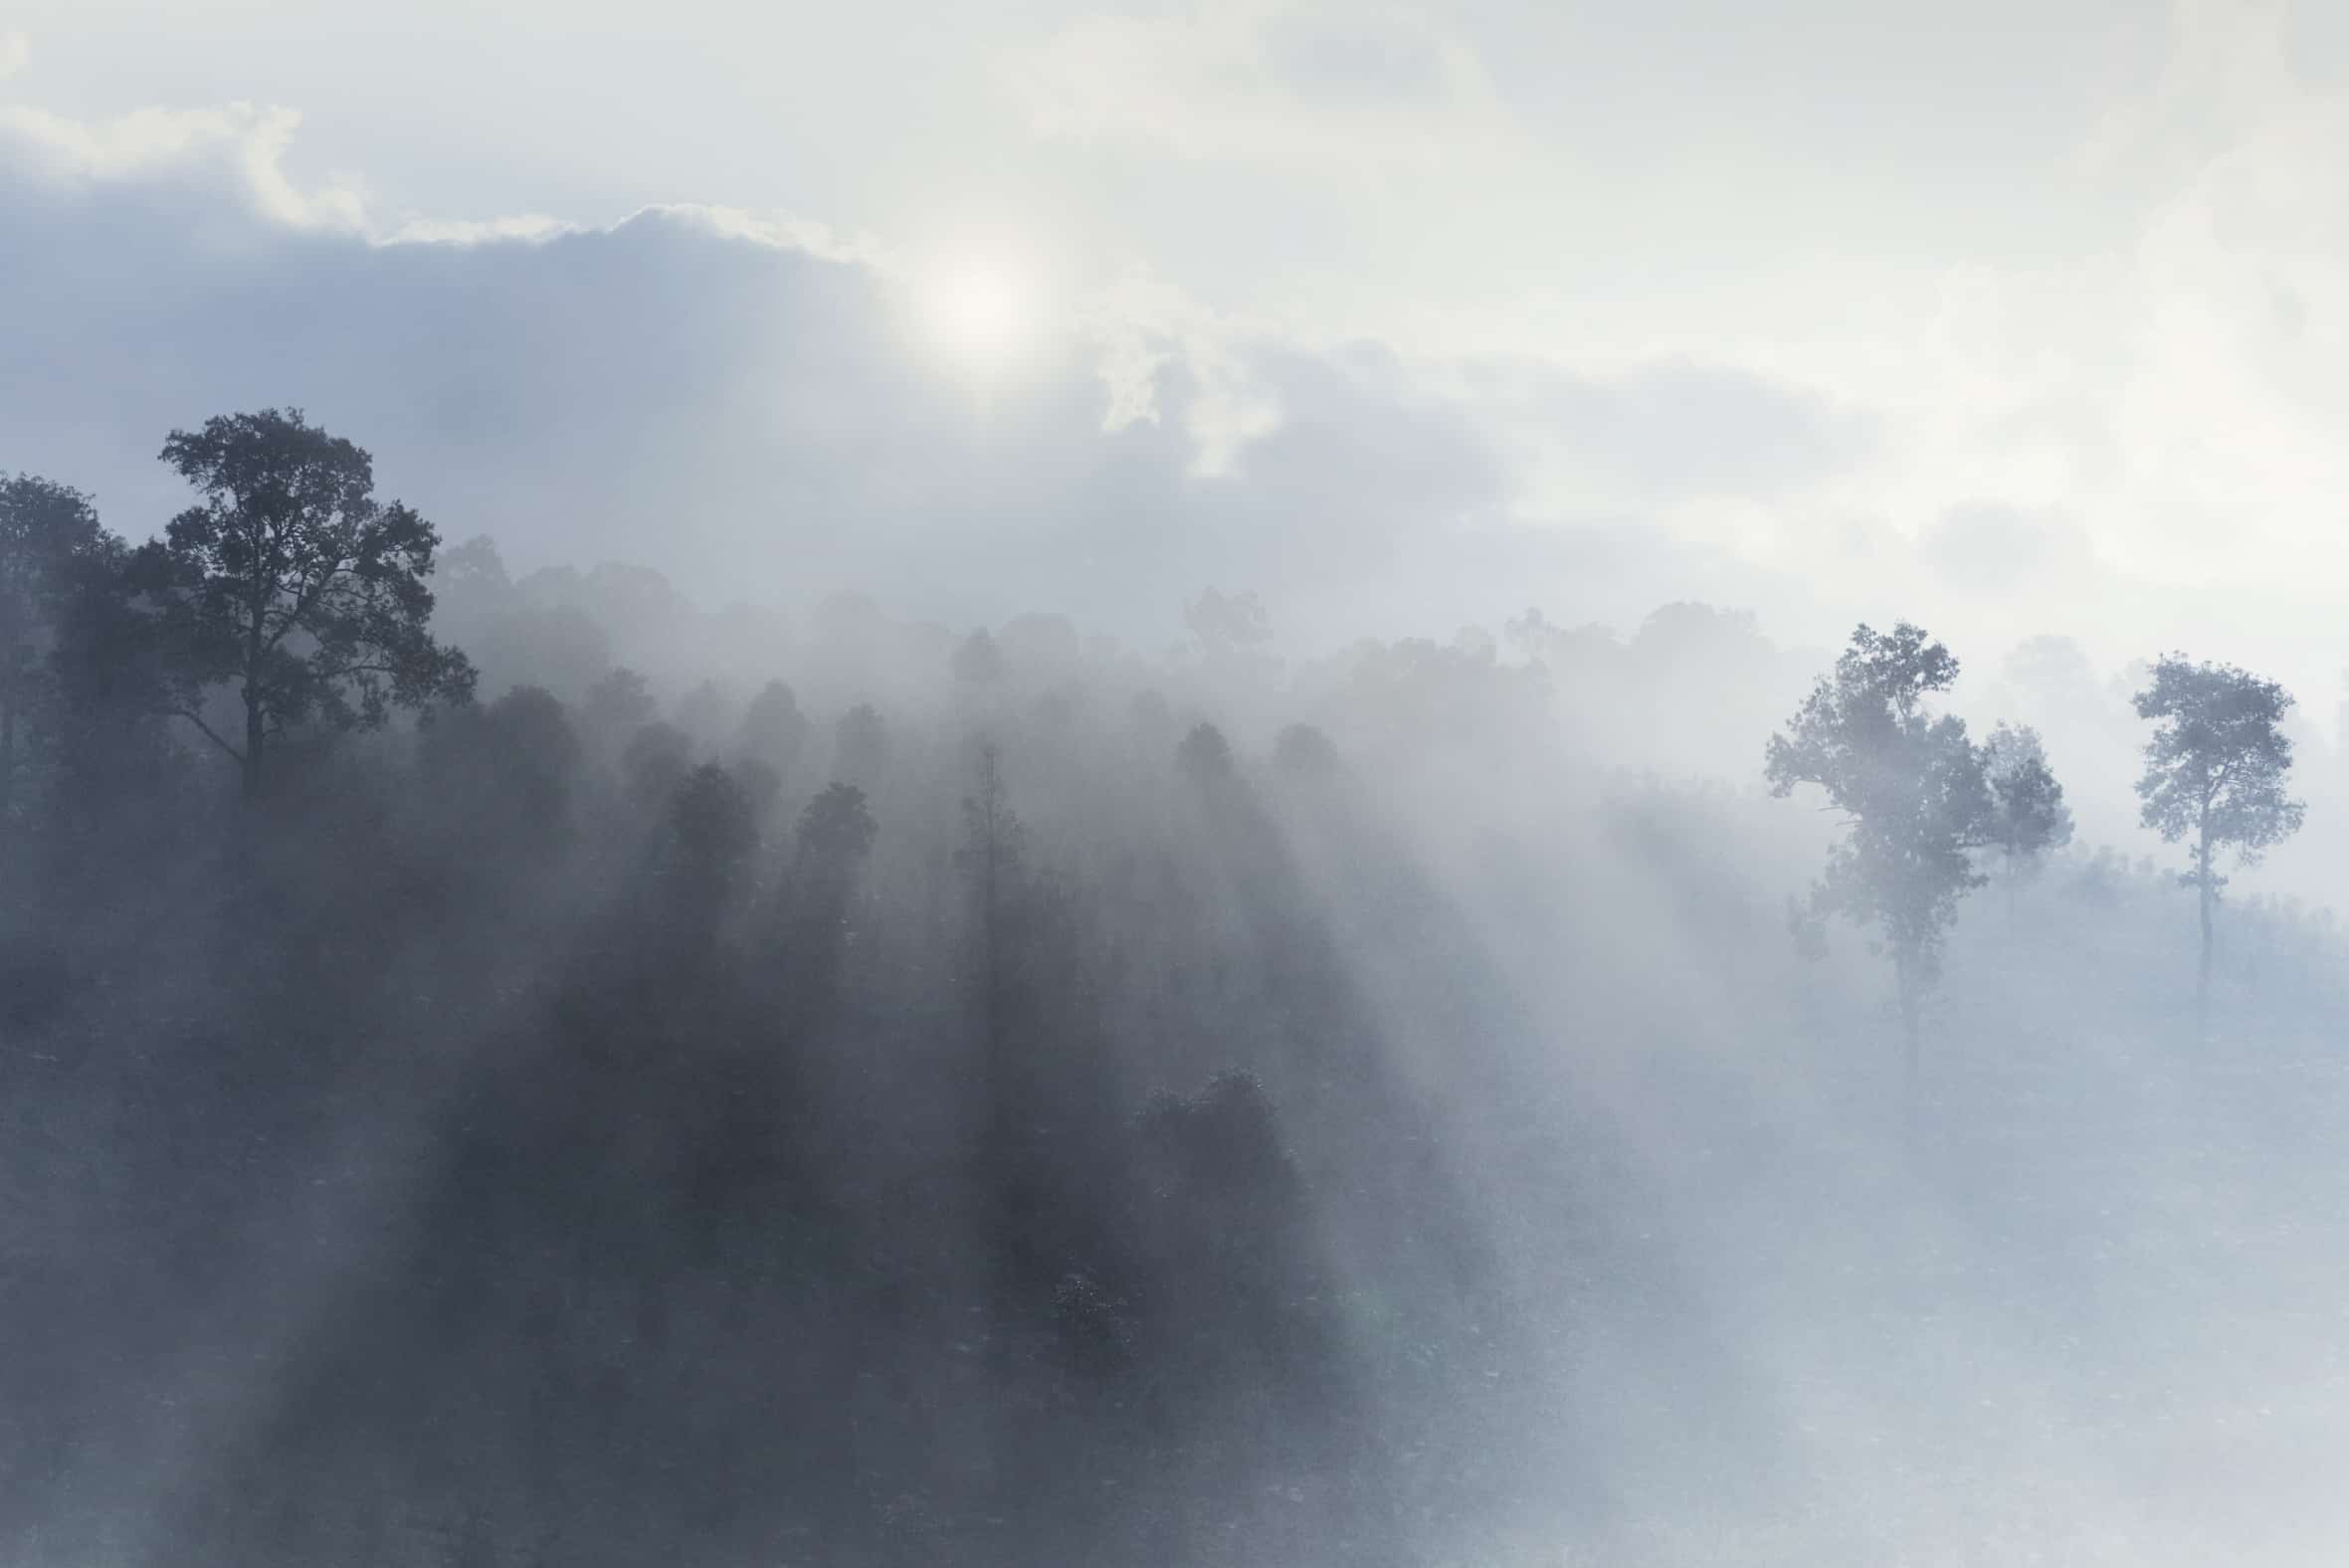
(526, 1070)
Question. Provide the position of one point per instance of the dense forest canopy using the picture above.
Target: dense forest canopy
(527, 1070)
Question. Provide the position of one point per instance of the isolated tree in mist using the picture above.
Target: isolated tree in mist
(2028, 813)
(2214, 776)
(1911, 790)
(49, 545)
(292, 583)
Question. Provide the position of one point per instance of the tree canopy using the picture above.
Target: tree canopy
(289, 582)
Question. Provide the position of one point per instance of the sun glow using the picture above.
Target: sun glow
(982, 315)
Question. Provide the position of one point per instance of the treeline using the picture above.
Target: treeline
(564, 1132)
(989, 1098)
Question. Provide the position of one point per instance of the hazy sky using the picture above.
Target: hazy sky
(2013, 317)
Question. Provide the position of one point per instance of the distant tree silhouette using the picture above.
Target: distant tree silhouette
(773, 732)
(2215, 777)
(507, 773)
(992, 858)
(860, 746)
(1205, 756)
(700, 711)
(2028, 813)
(292, 583)
(712, 831)
(1227, 623)
(656, 761)
(978, 660)
(833, 837)
(51, 544)
(1300, 751)
(1912, 794)
(619, 703)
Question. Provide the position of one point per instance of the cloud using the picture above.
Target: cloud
(1361, 88)
(1674, 428)
(242, 144)
(15, 50)
(1992, 550)
(728, 397)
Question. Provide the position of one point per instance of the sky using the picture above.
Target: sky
(2012, 318)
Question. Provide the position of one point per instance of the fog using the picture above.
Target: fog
(681, 889)
(1215, 1110)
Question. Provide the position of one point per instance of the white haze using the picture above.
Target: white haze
(1405, 325)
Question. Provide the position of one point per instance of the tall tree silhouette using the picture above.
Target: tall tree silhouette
(292, 583)
(50, 542)
(1912, 794)
(833, 837)
(2215, 777)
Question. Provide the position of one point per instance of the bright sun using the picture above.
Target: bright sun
(982, 314)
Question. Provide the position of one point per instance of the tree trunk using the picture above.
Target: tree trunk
(1904, 977)
(2202, 976)
(250, 763)
(7, 760)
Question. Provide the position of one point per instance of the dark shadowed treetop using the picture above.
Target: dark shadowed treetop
(1302, 751)
(773, 729)
(978, 660)
(711, 820)
(49, 538)
(860, 746)
(47, 533)
(835, 828)
(656, 761)
(1204, 755)
(620, 703)
(53, 552)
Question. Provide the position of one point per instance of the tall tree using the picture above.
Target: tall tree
(50, 542)
(2028, 813)
(1911, 790)
(290, 582)
(833, 835)
(773, 729)
(2215, 777)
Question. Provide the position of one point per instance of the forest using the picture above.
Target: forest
(520, 1069)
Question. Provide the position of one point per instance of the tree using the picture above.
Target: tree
(1911, 790)
(619, 703)
(833, 835)
(773, 729)
(2215, 777)
(2027, 813)
(978, 662)
(860, 746)
(49, 545)
(291, 582)
(1304, 752)
(1205, 756)
(994, 840)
